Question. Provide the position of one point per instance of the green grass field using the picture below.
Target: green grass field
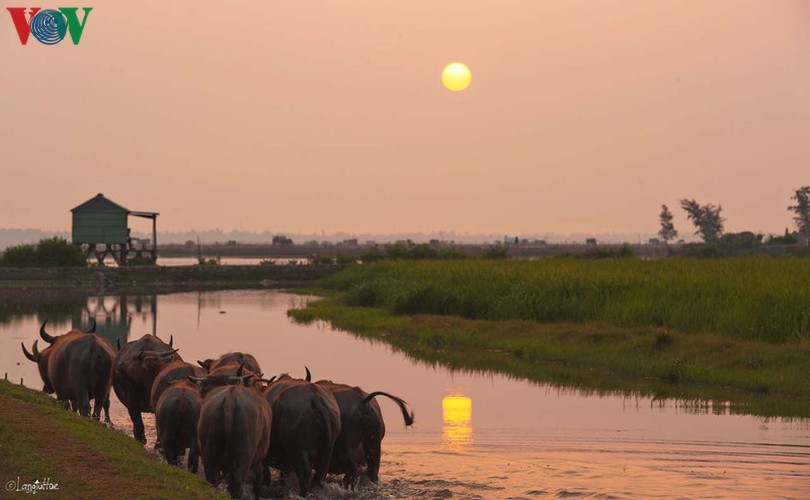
(766, 299)
(39, 439)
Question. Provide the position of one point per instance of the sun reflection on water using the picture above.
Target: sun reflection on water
(457, 433)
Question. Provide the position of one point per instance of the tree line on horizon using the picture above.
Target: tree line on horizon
(708, 220)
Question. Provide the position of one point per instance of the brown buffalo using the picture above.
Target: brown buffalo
(362, 430)
(306, 423)
(177, 413)
(234, 435)
(137, 365)
(232, 358)
(79, 366)
(172, 372)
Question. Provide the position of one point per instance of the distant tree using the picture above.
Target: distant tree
(668, 231)
(706, 218)
(802, 210)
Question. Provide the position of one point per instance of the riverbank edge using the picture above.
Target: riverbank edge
(165, 278)
(41, 440)
(703, 372)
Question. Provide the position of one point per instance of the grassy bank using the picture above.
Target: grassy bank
(41, 440)
(164, 278)
(756, 298)
(711, 330)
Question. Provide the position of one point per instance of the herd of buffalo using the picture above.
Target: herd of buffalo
(222, 411)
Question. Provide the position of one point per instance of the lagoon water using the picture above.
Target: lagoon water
(477, 435)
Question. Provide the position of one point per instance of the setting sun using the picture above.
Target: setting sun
(456, 76)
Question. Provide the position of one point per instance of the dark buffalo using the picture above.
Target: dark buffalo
(79, 366)
(137, 365)
(234, 435)
(177, 413)
(362, 430)
(232, 358)
(306, 424)
(41, 359)
(172, 372)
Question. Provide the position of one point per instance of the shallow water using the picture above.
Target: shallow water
(477, 435)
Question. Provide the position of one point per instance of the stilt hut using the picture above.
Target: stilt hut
(101, 228)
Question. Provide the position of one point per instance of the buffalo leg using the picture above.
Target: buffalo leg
(211, 473)
(170, 451)
(258, 473)
(137, 426)
(345, 461)
(193, 456)
(303, 471)
(373, 451)
(236, 478)
(107, 411)
(322, 461)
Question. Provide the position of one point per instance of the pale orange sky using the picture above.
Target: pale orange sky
(583, 116)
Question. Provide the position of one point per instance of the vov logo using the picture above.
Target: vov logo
(48, 26)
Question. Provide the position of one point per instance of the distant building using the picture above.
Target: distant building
(282, 240)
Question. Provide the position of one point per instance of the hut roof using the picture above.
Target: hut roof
(99, 203)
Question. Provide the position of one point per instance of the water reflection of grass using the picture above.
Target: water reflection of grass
(53, 304)
(755, 377)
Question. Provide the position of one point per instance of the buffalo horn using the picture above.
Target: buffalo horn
(169, 353)
(92, 328)
(196, 379)
(239, 371)
(118, 343)
(309, 375)
(268, 380)
(171, 341)
(28, 354)
(42, 333)
(36, 349)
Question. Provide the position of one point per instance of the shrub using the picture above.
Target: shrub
(51, 252)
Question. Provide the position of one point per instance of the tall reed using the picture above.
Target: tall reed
(757, 298)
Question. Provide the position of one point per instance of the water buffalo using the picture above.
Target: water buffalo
(172, 372)
(137, 365)
(362, 430)
(234, 435)
(306, 423)
(177, 413)
(79, 367)
(232, 358)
